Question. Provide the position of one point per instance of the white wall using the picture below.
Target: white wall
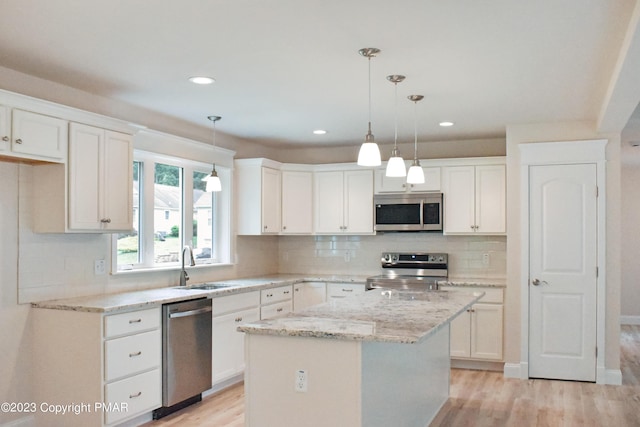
(630, 249)
(15, 347)
(516, 135)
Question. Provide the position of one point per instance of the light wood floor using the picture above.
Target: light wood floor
(481, 398)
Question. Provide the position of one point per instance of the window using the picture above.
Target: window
(171, 210)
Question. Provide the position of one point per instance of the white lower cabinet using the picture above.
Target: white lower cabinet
(477, 333)
(111, 360)
(307, 294)
(341, 290)
(228, 344)
(276, 302)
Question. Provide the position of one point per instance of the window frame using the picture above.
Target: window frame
(221, 246)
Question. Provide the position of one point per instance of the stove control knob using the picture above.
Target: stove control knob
(441, 259)
(386, 257)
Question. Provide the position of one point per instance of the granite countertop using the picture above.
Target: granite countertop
(137, 300)
(382, 315)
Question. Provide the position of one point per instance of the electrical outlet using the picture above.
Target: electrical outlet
(301, 381)
(99, 267)
(486, 259)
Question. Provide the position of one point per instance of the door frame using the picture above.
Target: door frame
(558, 153)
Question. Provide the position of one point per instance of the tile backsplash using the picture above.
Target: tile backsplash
(360, 255)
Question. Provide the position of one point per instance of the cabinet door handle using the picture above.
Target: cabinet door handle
(238, 319)
(18, 141)
(106, 220)
(279, 310)
(133, 396)
(5, 138)
(135, 321)
(136, 354)
(286, 292)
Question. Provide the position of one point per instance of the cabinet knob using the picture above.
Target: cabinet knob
(238, 319)
(279, 310)
(5, 138)
(284, 227)
(106, 220)
(18, 141)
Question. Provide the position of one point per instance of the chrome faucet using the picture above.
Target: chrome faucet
(183, 273)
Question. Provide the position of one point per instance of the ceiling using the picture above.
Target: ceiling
(286, 67)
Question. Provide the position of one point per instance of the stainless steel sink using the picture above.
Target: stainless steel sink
(204, 287)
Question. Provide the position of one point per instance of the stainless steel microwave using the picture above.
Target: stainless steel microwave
(408, 212)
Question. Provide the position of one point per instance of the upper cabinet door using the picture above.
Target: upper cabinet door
(491, 199)
(459, 199)
(386, 184)
(297, 202)
(270, 201)
(38, 136)
(84, 177)
(358, 201)
(117, 181)
(329, 202)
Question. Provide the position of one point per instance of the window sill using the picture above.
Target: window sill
(168, 268)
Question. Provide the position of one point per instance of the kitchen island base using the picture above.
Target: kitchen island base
(348, 383)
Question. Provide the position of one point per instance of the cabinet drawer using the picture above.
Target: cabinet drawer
(276, 310)
(131, 323)
(141, 393)
(341, 290)
(283, 293)
(237, 302)
(134, 353)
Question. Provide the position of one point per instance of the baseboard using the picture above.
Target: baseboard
(630, 320)
(613, 376)
(478, 365)
(28, 421)
(512, 370)
(224, 384)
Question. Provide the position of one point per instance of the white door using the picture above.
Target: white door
(329, 202)
(358, 201)
(271, 200)
(562, 271)
(118, 181)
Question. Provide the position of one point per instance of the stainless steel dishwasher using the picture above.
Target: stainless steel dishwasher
(186, 354)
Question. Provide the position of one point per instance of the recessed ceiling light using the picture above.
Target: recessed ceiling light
(319, 132)
(201, 80)
(446, 124)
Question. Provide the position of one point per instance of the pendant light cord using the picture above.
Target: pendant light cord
(415, 130)
(395, 137)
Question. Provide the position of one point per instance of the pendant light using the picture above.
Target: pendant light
(395, 165)
(369, 154)
(415, 174)
(213, 181)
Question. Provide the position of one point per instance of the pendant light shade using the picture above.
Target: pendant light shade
(415, 174)
(395, 165)
(369, 154)
(213, 181)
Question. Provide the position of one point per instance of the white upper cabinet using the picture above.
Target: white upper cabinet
(99, 179)
(297, 202)
(344, 202)
(385, 184)
(474, 199)
(259, 197)
(32, 136)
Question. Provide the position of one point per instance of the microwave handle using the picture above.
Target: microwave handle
(422, 213)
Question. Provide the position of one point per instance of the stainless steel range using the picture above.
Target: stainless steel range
(403, 270)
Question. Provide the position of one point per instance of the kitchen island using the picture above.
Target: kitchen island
(377, 359)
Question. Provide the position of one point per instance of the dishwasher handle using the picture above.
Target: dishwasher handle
(189, 313)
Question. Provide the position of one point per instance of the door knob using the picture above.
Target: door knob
(538, 282)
